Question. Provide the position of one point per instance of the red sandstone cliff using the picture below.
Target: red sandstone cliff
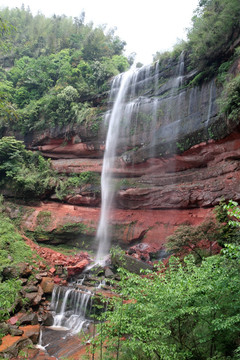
(159, 185)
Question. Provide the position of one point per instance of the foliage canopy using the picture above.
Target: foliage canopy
(55, 65)
(181, 312)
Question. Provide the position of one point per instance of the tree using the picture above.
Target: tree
(230, 99)
(180, 312)
(227, 215)
(23, 172)
(197, 240)
(215, 28)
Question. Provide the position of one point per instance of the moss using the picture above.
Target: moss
(63, 248)
(70, 184)
(75, 228)
(44, 218)
(230, 100)
(13, 249)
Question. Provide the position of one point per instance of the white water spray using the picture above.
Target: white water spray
(131, 109)
(120, 83)
(74, 305)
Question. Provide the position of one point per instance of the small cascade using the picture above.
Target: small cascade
(70, 308)
(40, 342)
(102, 283)
(80, 281)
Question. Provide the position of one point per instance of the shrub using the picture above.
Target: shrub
(197, 240)
(13, 250)
(230, 99)
(181, 312)
(24, 172)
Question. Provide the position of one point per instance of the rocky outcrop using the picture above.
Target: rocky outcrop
(128, 226)
(60, 148)
(22, 330)
(11, 345)
(177, 157)
(154, 198)
(200, 177)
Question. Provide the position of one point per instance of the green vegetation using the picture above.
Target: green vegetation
(210, 40)
(197, 240)
(233, 211)
(13, 250)
(38, 35)
(215, 27)
(27, 174)
(227, 215)
(185, 309)
(182, 311)
(69, 185)
(55, 69)
(211, 49)
(23, 172)
(9, 290)
(230, 99)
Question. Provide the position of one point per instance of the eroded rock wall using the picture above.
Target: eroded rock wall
(176, 159)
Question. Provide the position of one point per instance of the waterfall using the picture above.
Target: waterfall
(155, 108)
(132, 122)
(121, 83)
(210, 103)
(70, 308)
(173, 104)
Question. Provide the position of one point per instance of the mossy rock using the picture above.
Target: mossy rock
(129, 263)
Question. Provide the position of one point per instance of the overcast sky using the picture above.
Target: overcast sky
(147, 26)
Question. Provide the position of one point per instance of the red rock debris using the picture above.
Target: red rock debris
(73, 263)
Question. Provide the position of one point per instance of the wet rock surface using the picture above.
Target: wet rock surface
(200, 177)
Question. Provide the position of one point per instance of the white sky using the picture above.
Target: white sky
(147, 26)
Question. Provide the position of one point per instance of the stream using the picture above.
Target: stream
(73, 309)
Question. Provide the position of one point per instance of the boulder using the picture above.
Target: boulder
(38, 278)
(11, 345)
(33, 298)
(25, 270)
(47, 285)
(28, 319)
(129, 263)
(47, 319)
(30, 288)
(4, 328)
(32, 332)
(43, 274)
(10, 272)
(109, 273)
(78, 268)
(15, 331)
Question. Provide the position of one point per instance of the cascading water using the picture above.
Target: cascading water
(131, 110)
(210, 101)
(147, 109)
(118, 94)
(70, 308)
(122, 91)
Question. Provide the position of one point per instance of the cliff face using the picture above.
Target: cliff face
(176, 158)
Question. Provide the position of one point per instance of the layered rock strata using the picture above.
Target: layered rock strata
(176, 159)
